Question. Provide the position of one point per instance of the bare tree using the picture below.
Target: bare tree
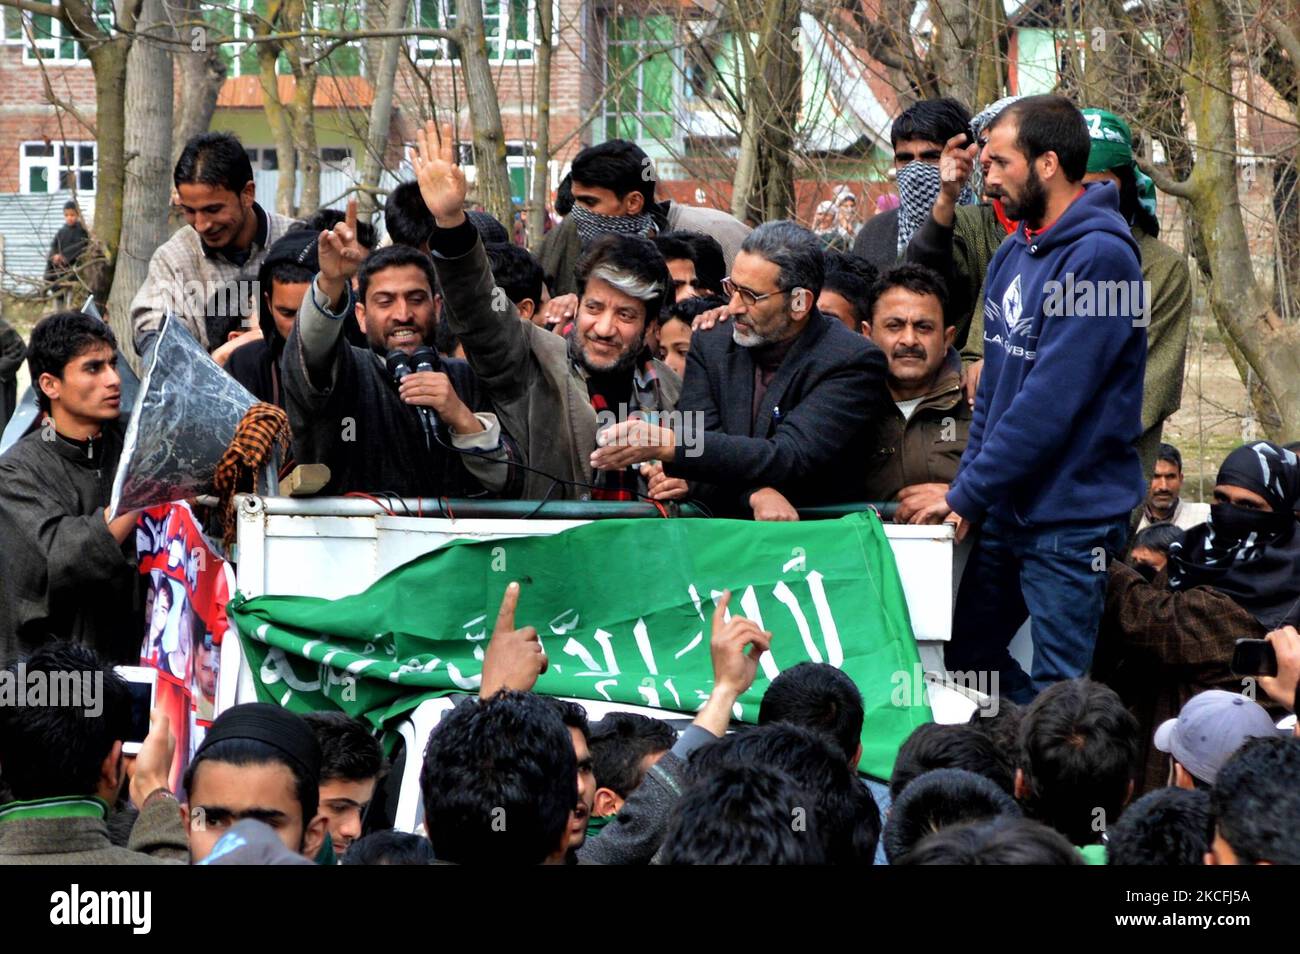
(148, 144)
(381, 109)
(202, 71)
(492, 181)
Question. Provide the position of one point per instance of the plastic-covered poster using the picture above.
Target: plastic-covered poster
(189, 586)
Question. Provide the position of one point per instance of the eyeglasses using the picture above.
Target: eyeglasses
(731, 289)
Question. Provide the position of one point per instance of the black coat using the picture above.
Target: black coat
(813, 429)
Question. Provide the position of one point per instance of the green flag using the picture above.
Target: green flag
(623, 609)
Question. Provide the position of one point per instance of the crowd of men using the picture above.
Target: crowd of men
(998, 352)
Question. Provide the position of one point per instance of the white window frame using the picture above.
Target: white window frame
(422, 47)
(38, 50)
(54, 167)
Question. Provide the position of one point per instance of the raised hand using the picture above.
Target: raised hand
(442, 182)
(340, 255)
(515, 657)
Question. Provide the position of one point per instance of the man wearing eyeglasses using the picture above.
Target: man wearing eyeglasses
(788, 397)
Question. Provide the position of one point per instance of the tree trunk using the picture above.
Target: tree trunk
(763, 189)
(1241, 307)
(541, 184)
(108, 60)
(492, 181)
(381, 110)
(278, 118)
(202, 72)
(148, 142)
(304, 140)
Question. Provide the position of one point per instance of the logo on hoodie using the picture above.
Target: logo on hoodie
(1013, 307)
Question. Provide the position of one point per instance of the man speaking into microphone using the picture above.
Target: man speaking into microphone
(392, 418)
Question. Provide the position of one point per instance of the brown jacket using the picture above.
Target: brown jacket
(539, 395)
(927, 447)
(1159, 647)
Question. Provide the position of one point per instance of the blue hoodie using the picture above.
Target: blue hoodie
(1060, 398)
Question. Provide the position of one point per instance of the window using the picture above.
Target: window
(239, 18)
(519, 165)
(263, 158)
(510, 27)
(639, 82)
(45, 167)
(46, 39)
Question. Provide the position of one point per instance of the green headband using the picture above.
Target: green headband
(1112, 148)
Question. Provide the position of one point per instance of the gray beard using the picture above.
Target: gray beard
(623, 365)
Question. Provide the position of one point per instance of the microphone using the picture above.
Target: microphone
(399, 366)
(423, 359)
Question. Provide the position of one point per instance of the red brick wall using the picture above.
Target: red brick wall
(25, 112)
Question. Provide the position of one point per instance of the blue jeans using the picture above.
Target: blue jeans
(1054, 575)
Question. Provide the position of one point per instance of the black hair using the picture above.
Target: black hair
(243, 752)
(445, 340)
(853, 278)
(937, 800)
(933, 120)
(389, 848)
(619, 742)
(1256, 801)
(934, 746)
(915, 278)
(710, 260)
(1130, 207)
(1003, 840)
(226, 310)
(672, 246)
(1050, 123)
(488, 226)
(1158, 537)
(394, 256)
(1170, 455)
(214, 159)
(1078, 753)
(1001, 723)
(499, 781)
(516, 272)
(564, 195)
(61, 338)
(618, 165)
(55, 745)
(70, 204)
(688, 309)
(793, 249)
(743, 815)
(323, 219)
(348, 751)
(1170, 826)
(846, 813)
(631, 256)
(571, 714)
(406, 218)
(816, 696)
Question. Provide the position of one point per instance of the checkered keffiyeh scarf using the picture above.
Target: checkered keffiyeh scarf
(263, 428)
(918, 186)
(592, 225)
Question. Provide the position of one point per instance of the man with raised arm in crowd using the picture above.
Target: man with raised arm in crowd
(1049, 470)
(548, 390)
(346, 407)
